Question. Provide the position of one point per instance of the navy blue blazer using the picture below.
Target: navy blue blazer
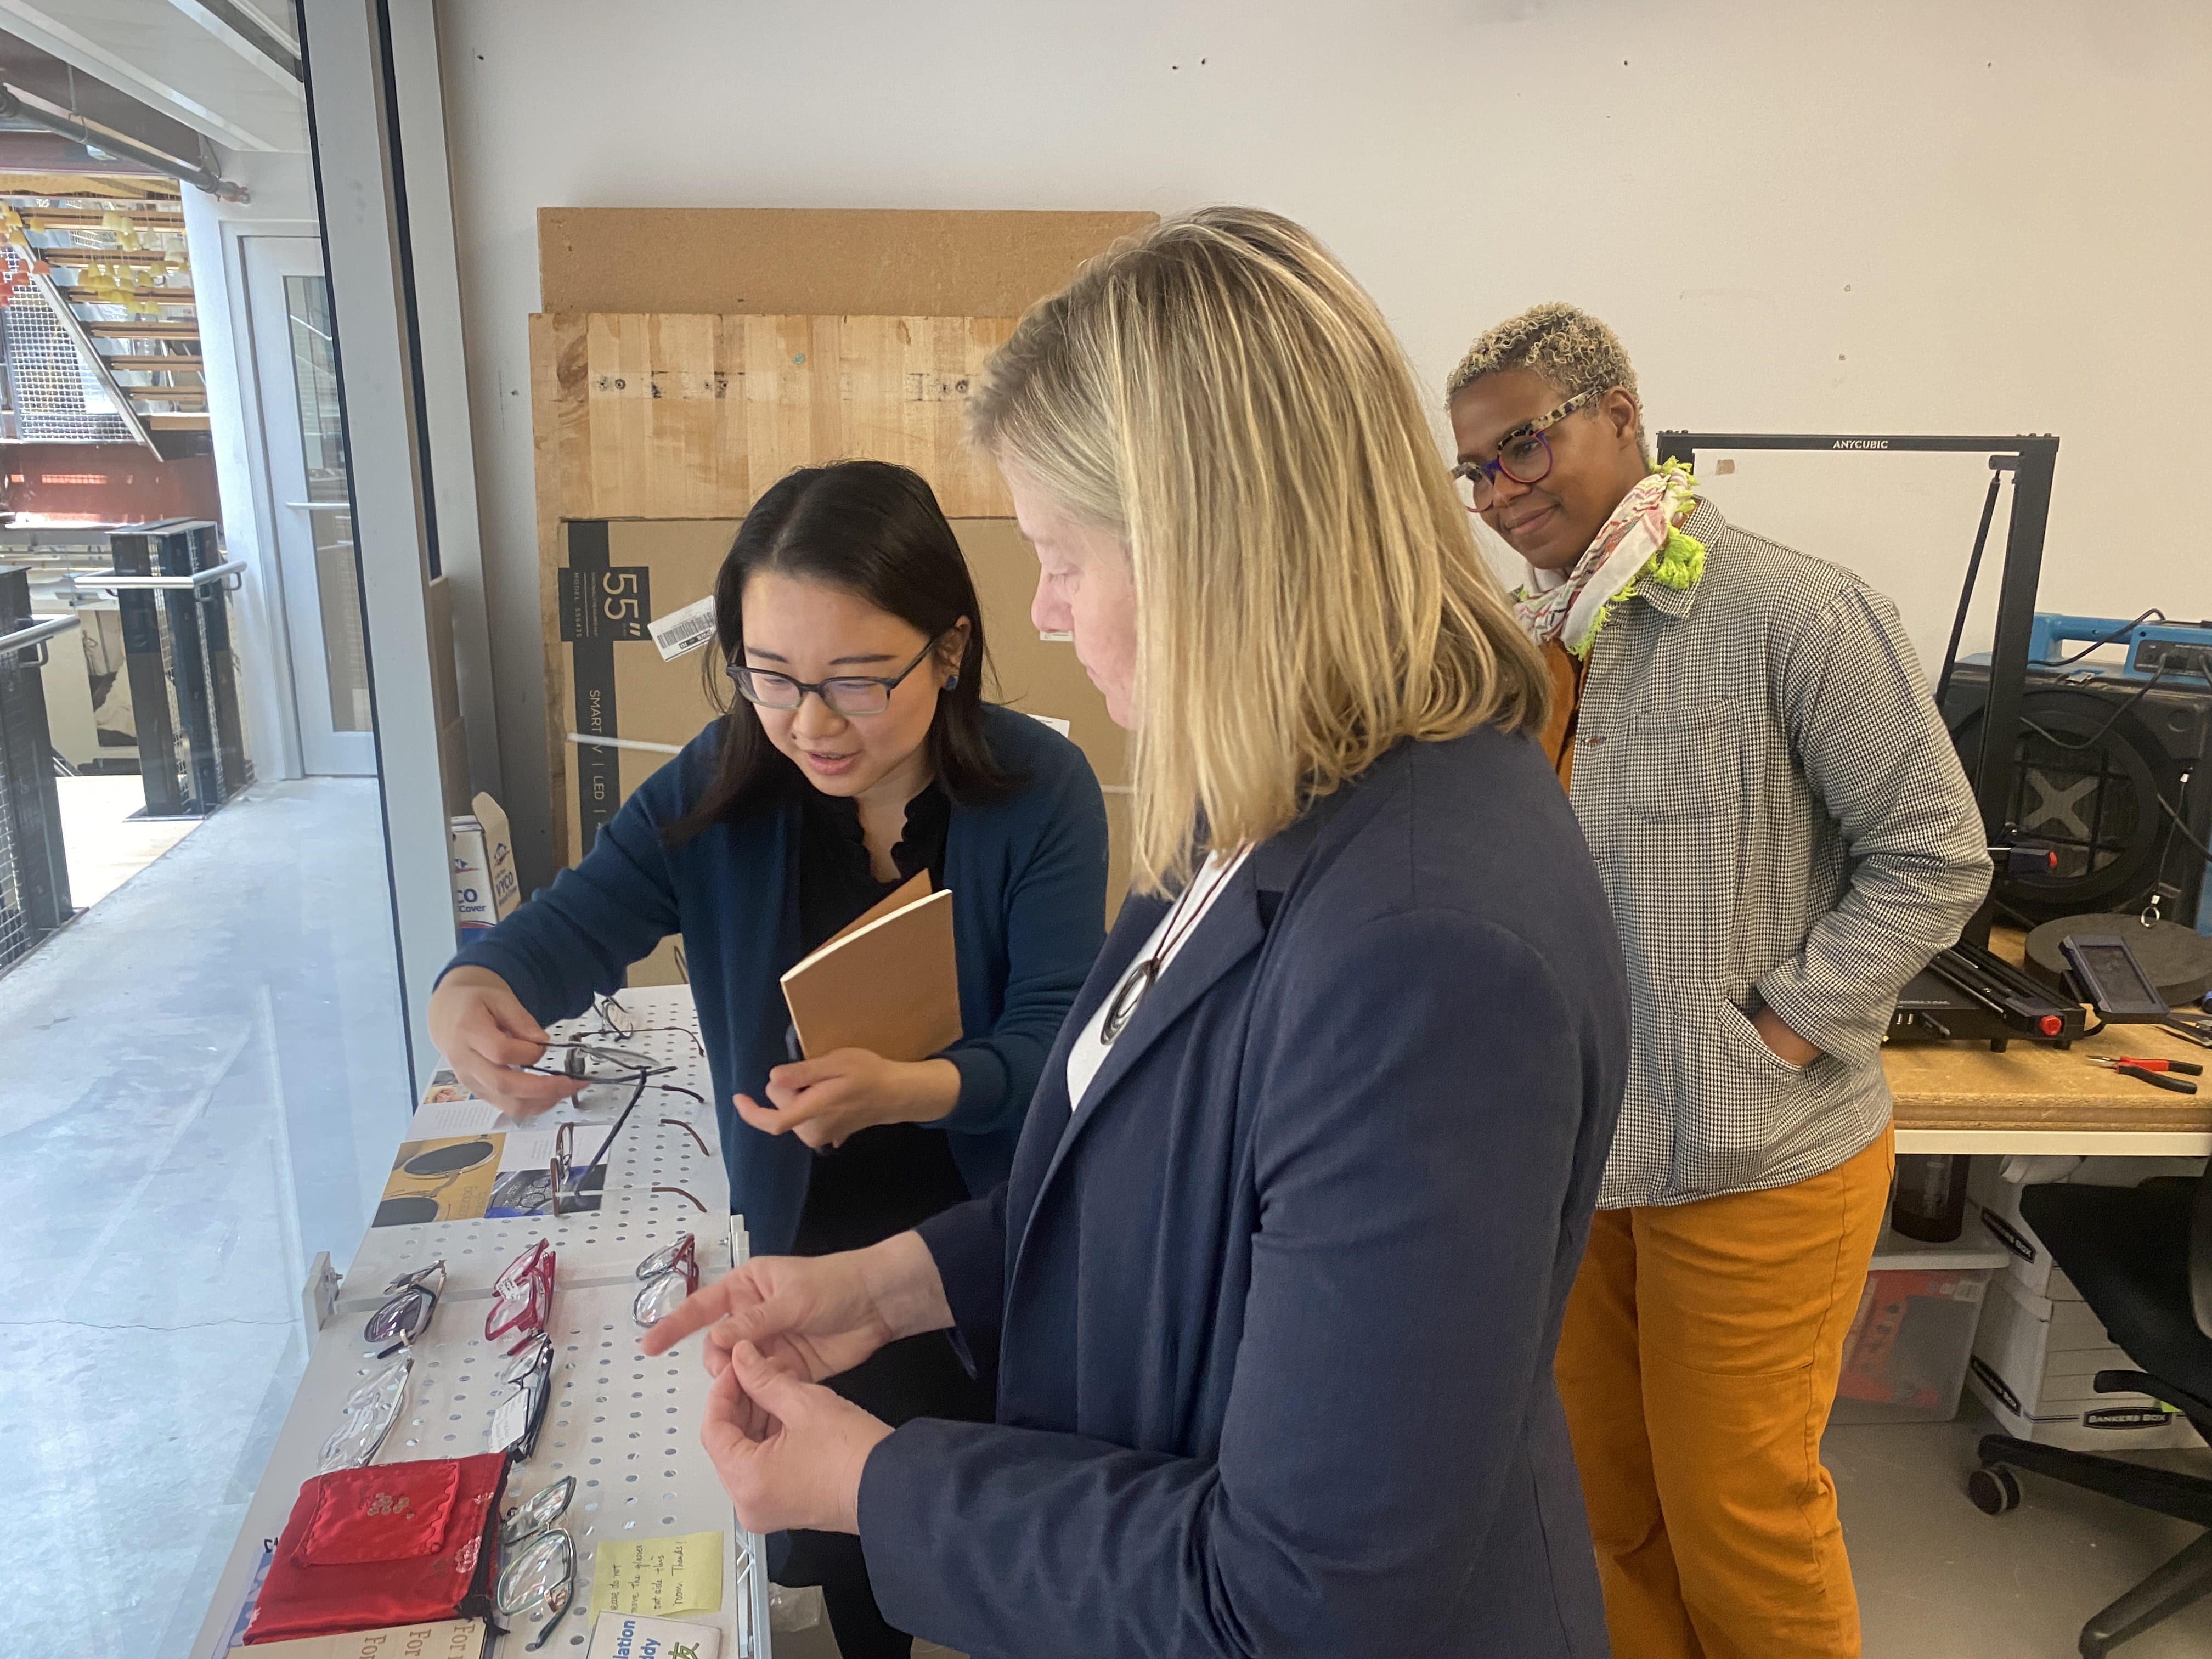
(1274, 1313)
(1028, 879)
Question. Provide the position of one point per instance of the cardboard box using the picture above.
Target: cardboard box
(888, 262)
(449, 1638)
(485, 887)
(1998, 1200)
(2035, 1363)
(627, 708)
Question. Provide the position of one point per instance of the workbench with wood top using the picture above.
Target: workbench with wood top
(1960, 1097)
(2032, 1098)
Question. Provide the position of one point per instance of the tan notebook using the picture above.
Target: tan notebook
(885, 981)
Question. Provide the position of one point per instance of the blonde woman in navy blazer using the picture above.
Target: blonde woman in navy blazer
(1271, 1293)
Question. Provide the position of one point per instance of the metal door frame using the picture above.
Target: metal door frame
(266, 262)
(372, 70)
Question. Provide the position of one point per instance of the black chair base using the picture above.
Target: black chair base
(2186, 1579)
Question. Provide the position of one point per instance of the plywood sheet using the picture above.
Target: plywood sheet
(809, 261)
(693, 416)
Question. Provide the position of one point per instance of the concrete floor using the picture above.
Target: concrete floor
(106, 845)
(201, 1082)
(1938, 1579)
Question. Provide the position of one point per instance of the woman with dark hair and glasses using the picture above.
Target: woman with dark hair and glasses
(857, 753)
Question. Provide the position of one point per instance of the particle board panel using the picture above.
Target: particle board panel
(1961, 1086)
(2032, 1087)
(810, 261)
(692, 416)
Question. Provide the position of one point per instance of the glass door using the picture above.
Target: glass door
(289, 310)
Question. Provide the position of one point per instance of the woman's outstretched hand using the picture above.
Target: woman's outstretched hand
(789, 1453)
(814, 1316)
(485, 1034)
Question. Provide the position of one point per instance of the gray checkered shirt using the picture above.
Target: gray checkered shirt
(1777, 815)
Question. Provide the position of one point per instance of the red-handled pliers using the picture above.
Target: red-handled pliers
(2153, 1072)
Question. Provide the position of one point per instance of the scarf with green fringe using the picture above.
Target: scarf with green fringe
(1644, 534)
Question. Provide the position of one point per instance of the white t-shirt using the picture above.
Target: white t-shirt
(1090, 1049)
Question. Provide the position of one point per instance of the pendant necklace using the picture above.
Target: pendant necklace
(1140, 979)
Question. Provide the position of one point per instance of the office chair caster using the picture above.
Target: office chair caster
(1993, 1489)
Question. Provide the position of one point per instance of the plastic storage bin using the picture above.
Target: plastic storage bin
(1906, 1355)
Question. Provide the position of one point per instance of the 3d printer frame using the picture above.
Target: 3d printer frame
(2034, 458)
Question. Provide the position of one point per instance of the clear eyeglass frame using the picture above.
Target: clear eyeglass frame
(538, 1512)
(540, 1578)
(666, 1277)
(366, 1417)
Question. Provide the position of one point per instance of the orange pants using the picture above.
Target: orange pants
(1698, 1363)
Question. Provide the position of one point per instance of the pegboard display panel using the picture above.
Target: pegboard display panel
(582, 1262)
(598, 1245)
(627, 1427)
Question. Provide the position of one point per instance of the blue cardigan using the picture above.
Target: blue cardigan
(1273, 1309)
(1028, 879)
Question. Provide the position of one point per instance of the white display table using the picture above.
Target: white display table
(627, 1427)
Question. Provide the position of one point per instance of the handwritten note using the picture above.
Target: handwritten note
(669, 1576)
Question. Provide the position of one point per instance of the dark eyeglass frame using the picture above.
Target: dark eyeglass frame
(406, 1314)
(618, 1023)
(554, 1600)
(536, 1385)
(1481, 477)
(741, 675)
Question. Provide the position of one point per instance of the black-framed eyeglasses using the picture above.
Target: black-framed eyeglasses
(849, 694)
(1524, 455)
(406, 1315)
(619, 1023)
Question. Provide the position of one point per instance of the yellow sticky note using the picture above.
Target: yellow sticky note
(671, 1577)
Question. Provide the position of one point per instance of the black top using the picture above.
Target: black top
(889, 1178)
(883, 1181)
(835, 883)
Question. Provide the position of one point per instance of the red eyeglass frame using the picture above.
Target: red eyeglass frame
(523, 1297)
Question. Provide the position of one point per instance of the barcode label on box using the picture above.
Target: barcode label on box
(681, 632)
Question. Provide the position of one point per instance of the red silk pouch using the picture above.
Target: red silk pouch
(390, 1544)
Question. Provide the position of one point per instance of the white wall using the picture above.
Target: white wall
(1867, 216)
